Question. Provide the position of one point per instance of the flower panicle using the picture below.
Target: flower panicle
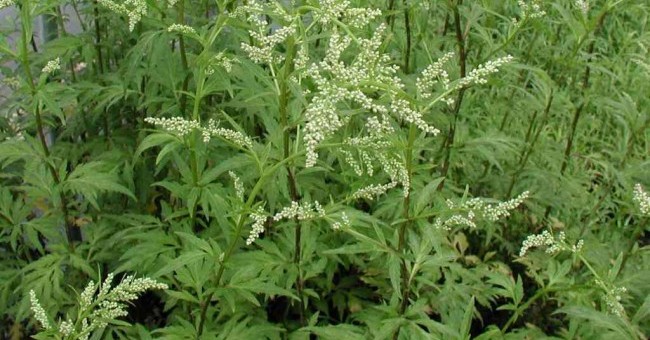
(641, 199)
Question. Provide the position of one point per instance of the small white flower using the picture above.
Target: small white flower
(344, 223)
(259, 218)
(642, 199)
(66, 328)
(373, 190)
(530, 10)
(39, 312)
(178, 28)
(239, 187)
(583, 5)
(133, 9)
(6, 3)
(300, 211)
(52, 65)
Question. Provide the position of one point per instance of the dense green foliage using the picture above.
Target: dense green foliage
(299, 169)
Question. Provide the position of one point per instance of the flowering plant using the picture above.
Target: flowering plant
(334, 169)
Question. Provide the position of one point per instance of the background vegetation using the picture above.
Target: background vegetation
(322, 169)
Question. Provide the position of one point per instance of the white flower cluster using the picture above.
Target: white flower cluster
(396, 171)
(373, 190)
(171, 3)
(403, 110)
(529, 11)
(176, 125)
(332, 10)
(178, 28)
(642, 199)
(455, 220)
(239, 187)
(12, 82)
(52, 65)
(182, 127)
(301, 212)
(14, 122)
(433, 74)
(221, 60)
(133, 9)
(66, 328)
(6, 3)
(545, 239)
(477, 207)
(613, 298)
(236, 137)
(39, 312)
(345, 222)
(583, 5)
(263, 53)
(492, 212)
(97, 310)
(479, 75)
(338, 82)
(259, 218)
(553, 244)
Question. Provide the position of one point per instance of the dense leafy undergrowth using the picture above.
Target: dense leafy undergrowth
(329, 169)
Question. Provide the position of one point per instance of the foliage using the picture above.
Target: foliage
(332, 169)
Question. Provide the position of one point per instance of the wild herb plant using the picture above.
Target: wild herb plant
(337, 169)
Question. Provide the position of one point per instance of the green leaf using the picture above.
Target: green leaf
(466, 325)
(337, 332)
(90, 179)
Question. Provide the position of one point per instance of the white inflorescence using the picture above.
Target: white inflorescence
(403, 110)
(263, 53)
(239, 187)
(433, 74)
(221, 60)
(613, 299)
(6, 3)
(176, 125)
(39, 312)
(478, 207)
(14, 122)
(183, 127)
(338, 82)
(301, 212)
(259, 218)
(530, 10)
(66, 328)
(372, 191)
(344, 223)
(642, 199)
(583, 5)
(100, 306)
(552, 243)
(479, 74)
(133, 9)
(540, 240)
(333, 10)
(233, 136)
(181, 29)
(455, 220)
(52, 65)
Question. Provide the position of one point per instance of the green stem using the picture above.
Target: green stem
(283, 102)
(529, 144)
(407, 24)
(72, 233)
(181, 42)
(578, 112)
(401, 242)
(462, 63)
(238, 233)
